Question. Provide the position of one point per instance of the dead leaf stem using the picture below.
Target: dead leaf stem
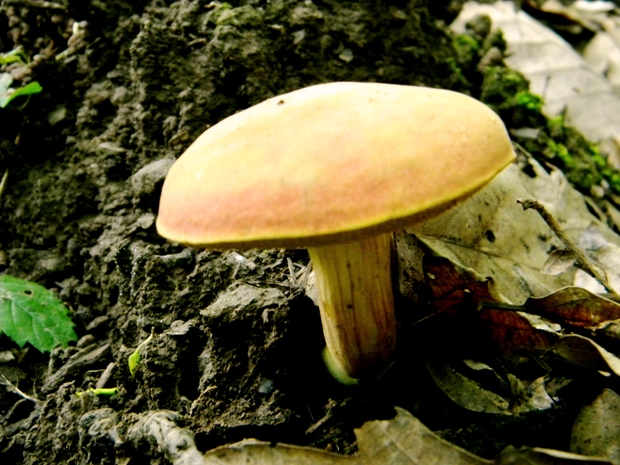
(582, 261)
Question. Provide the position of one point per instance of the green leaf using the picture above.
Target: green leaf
(9, 94)
(31, 88)
(14, 56)
(133, 361)
(31, 313)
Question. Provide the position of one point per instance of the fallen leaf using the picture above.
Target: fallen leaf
(540, 456)
(604, 250)
(490, 234)
(586, 353)
(570, 18)
(519, 396)
(597, 428)
(458, 292)
(454, 286)
(535, 397)
(464, 391)
(603, 54)
(517, 333)
(403, 440)
(558, 262)
(575, 306)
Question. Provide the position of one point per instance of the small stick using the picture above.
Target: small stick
(16, 390)
(581, 259)
(3, 182)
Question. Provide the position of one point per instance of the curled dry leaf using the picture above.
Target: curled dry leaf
(558, 262)
(576, 307)
(458, 292)
(572, 18)
(510, 396)
(586, 353)
(531, 329)
(517, 333)
(540, 456)
(466, 392)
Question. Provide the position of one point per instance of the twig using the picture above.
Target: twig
(3, 182)
(581, 259)
(16, 390)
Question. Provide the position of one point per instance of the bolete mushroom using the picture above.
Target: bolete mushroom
(335, 168)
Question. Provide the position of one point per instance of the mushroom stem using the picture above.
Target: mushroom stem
(357, 306)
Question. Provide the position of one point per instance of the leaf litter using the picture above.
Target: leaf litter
(487, 263)
(472, 280)
(518, 283)
(402, 440)
(500, 276)
(457, 268)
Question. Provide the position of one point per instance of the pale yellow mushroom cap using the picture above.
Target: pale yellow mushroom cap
(331, 162)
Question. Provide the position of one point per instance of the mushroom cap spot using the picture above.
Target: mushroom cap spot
(331, 163)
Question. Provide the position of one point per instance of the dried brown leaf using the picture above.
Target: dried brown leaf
(453, 286)
(575, 306)
(457, 291)
(586, 353)
(466, 392)
(514, 332)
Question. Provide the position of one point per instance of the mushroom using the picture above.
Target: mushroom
(336, 168)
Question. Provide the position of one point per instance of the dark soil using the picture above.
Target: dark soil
(236, 343)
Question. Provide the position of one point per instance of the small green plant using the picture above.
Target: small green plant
(134, 359)
(8, 93)
(30, 313)
(105, 392)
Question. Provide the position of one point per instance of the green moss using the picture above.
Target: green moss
(494, 39)
(580, 171)
(457, 71)
(500, 85)
(559, 151)
(555, 126)
(531, 102)
(614, 182)
(564, 147)
(466, 48)
(584, 166)
(507, 92)
(610, 174)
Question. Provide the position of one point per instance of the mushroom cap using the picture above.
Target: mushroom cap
(331, 163)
